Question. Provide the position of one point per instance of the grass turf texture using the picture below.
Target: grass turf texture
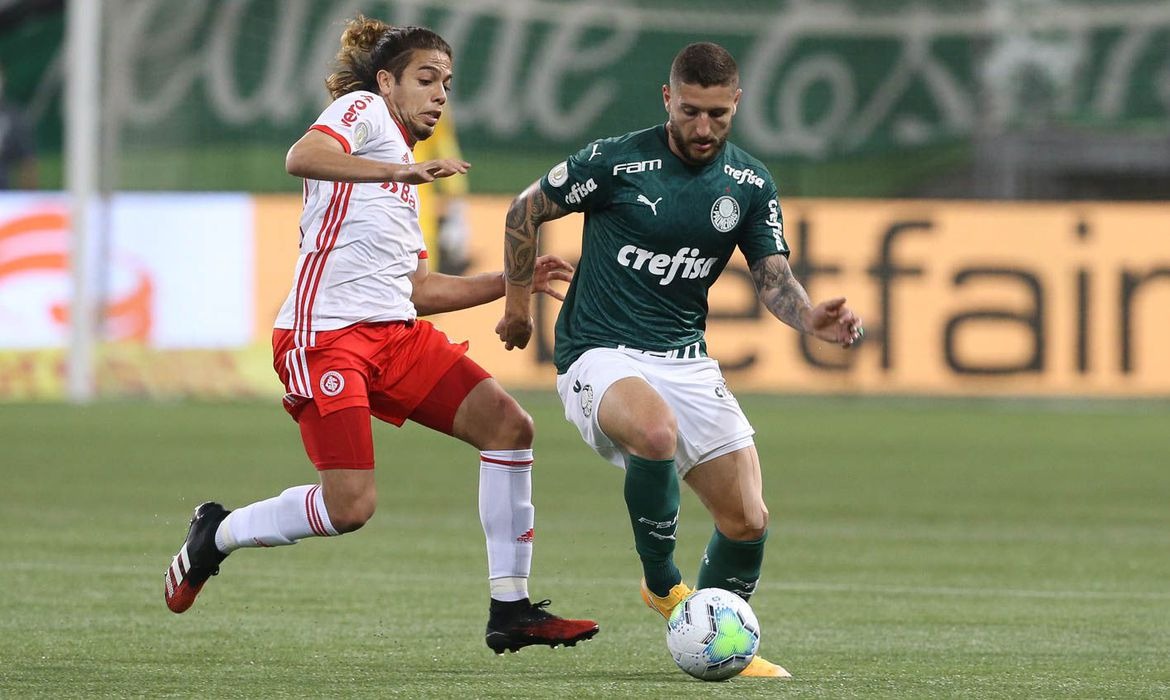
(918, 549)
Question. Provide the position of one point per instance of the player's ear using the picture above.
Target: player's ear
(666, 97)
(386, 82)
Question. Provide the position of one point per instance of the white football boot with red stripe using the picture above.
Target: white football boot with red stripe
(197, 560)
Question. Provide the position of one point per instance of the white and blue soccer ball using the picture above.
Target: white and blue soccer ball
(712, 634)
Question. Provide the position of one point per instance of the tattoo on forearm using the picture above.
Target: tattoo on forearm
(779, 291)
(521, 227)
(519, 244)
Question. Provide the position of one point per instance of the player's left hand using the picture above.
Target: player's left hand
(548, 269)
(430, 170)
(515, 330)
(834, 322)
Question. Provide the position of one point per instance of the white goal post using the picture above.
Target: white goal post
(82, 76)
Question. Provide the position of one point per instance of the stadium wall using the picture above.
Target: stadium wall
(958, 298)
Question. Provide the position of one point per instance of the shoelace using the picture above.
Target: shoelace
(538, 609)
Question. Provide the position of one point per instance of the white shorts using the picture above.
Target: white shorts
(710, 421)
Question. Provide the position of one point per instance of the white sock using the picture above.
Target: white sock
(295, 514)
(507, 516)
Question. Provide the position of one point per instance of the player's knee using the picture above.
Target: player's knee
(352, 518)
(754, 528)
(656, 440)
(352, 514)
(516, 428)
(746, 526)
(525, 429)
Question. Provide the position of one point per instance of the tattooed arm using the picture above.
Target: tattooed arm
(528, 211)
(780, 292)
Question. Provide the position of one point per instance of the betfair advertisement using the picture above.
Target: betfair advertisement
(958, 298)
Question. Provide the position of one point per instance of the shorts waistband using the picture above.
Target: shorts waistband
(408, 322)
(693, 351)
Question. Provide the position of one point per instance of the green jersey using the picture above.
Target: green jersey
(657, 234)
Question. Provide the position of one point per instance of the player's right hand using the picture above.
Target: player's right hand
(833, 321)
(515, 330)
(431, 170)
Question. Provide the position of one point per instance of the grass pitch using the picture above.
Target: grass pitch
(918, 549)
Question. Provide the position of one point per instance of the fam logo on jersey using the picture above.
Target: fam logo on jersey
(747, 175)
(641, 166)
(725, 213)
(685, 264)
(332, 383)
(580, 190)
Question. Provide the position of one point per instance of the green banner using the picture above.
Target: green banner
(210, 94)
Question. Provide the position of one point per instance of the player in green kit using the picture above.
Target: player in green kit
(665, 208)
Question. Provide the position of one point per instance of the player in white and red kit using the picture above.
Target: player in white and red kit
(348, 343)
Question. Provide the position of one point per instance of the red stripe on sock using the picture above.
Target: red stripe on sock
(311, 511)
(506, 462)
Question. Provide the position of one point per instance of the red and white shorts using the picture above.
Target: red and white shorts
(389, 368)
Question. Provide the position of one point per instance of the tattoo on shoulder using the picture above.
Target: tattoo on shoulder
(779, 290)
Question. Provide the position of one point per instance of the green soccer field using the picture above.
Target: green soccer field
(918, 550)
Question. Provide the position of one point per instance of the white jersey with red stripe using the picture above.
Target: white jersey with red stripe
(360, 242)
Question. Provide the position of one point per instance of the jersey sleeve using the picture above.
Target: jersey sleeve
(763, 230)
(582, 182)
(355, 120)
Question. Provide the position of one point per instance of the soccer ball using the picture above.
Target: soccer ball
(712, 634)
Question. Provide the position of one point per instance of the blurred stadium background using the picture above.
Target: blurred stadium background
(988, 181)
(960, 170)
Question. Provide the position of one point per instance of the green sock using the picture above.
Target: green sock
(732, 565)
(652, 497)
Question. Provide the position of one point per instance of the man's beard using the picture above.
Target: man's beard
(684, 146)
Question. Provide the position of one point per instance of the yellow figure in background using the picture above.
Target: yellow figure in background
(442, 207)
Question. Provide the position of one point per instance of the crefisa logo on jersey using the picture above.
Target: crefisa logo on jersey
(580, 190)
(332, 383)
(725, 214)
(686, 264)
(746, 175)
